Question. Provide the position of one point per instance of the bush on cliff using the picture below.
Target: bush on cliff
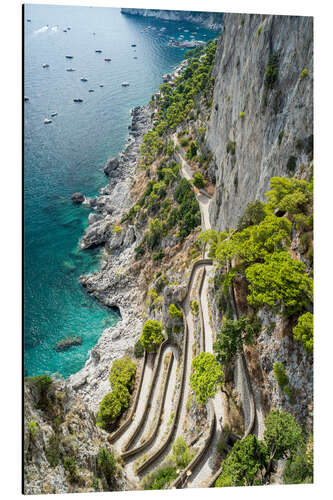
(198, 180)
(123, 372)
(233, 335)
(282, 435)
(112, 406)
(303, 331)
(107, 465)
(174, 312)
(206, 377)
(152, 335)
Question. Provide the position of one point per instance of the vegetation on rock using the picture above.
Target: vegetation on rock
(206, 377)
(152, 335)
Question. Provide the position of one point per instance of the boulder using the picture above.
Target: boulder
(67, 343)
(77, 198)
(111, 165)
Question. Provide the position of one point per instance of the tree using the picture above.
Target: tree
(282, 435)
(303, 331)
(290, 194)
(152, 335)
(110, 409)
(198, 180)
(253, 214)
(181, 454)
(247, 458)
(206, 377)
(174, 312)
(122, 372)
(299, 467)
(192, 150)
(280, 374)
(232, 336)
(280, 280)
(107, 465)
(138, 349)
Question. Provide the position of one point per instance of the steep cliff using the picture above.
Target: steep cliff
(212, 20)
(261, 118)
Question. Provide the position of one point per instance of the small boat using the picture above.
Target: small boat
(70, 69)
(98, 51)
(135, 57)
(101, 85)
(65, 31)
(125, 84)
(69, 57)
(133, 45)
(91, 90)
(28, 20)
(54, 114)
(107, 59)
(77, 99)
(84, 79)
(26, 98)
(45, 65)
(68, 27)
(47, 120)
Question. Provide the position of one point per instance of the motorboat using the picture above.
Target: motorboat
(84, 79)
(54, 114)
(65, 31)
(98, 51)
(69, 57)
(26, 98)
(77, 99)
(68, 27)
(45, 65)
(47, 120)
(70, 69)
(125, 84)
(108, 59)
(135, 57)
(91, 90)
(101, 85)
(28, 20)
(133, 45)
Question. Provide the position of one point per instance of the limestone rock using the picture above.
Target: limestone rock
(111, 165)
(77, 198)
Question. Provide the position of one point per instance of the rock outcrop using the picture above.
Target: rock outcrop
(111, 165)
(77, 198)
(211, 20)
(261, 122)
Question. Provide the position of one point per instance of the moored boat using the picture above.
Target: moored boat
(54, 114)
(98, 51)
(47, 120)
(69, 57)
(26, 98)
(107, 59)
(45, 65)
(125, 84)
(84, 79)
(77, 99)
(70, 69)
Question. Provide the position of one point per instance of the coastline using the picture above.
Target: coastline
(115, 283)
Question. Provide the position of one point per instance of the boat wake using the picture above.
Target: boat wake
(41, 30)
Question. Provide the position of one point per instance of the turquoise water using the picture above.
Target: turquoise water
(68, 155)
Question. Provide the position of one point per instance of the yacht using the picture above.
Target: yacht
(84, 79)
(45, 65)
(77, 99)
(101, 85)
(26, 98)
(125, 84)
(47, 120)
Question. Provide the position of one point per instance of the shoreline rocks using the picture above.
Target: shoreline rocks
(77, 198)
(111, 165)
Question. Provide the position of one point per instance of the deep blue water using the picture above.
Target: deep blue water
(68, 155)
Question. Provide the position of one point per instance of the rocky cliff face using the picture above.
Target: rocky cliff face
(261, 118)
(212, 20)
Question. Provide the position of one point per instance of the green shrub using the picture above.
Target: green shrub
(233, 335)
(181, 454)
(194, 307)
(42, 383)
(138, 349)
(107, 465)
(192, 150)
(154, 234)
(152, 335)
(117, 229)
(184, 142)
(304, 73)
(52, 451)
(198, 180)
(123, 372)
(175, 313)
(33, 429)
(71, 469)
(231, 147)
(280, 375)
(303, 331)
(299, 467)
(158, 255)
(259, 30)
(291, 164)
(272, 70)
(160, 478)
(206, 377)
(282, 434)
(112, 406)
(241, 114)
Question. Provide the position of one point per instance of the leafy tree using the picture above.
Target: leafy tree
(303, 331)
(206, 377)
(122, 372)
(111, 407)
(174, 312)
(232, 336)
(280, 280)
(198, 180)
(299, 467)
(290, 194)
(282, 435)
(152, 335)
(182, 190)
(247, 458)
(161, 477)
(107, 465)
(192, 150)
(154, 234)
(138, 349)
(71, 469)
(253, 214)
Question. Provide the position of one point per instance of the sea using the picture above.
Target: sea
(68, 155)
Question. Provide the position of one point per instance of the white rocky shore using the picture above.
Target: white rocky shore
(113, 284)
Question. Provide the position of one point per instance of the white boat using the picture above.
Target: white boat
(54, 114)
(45, 65)
(125, 84)
(84, 79)
(26, 98)
(47, 120)
(108, 59)
(101, 85)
